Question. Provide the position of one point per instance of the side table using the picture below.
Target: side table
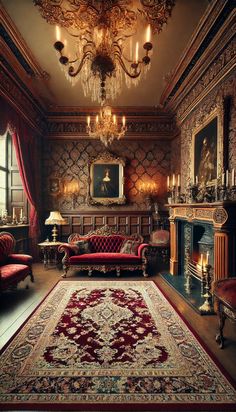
(159, 250)
(50, 253)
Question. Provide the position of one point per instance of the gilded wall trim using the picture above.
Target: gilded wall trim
(209, 58)
(217, 215)
(21, 101)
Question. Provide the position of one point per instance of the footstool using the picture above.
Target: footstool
(225, 300)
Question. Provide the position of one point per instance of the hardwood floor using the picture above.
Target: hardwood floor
(16, 306)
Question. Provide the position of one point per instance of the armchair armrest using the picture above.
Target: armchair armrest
(20, 259)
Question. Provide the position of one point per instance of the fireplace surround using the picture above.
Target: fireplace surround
(201, 228)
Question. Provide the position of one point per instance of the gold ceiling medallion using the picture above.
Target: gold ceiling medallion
(99, 40)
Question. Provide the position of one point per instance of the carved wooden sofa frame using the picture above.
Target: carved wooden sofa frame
(108, 258)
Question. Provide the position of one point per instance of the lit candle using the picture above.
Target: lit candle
(58, 33)
(136, 52)
(178, 181)
(201, 260)
(168, 182)
(114, 118)
(97, 118)
(123, 121)
(173, 181)
(233, 177)
(148, 34)
(227, 178)
(88, 120)
(207, 258)
(223, 179)
(13, 213)
(196, 180)
(21, 213)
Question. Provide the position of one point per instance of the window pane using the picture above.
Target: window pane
(2, 199)
(3, 151)
(2, 190)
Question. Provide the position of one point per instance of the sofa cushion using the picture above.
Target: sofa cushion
(83, 247)
(130, 246)
(12, 273)
(105, 258)
(107, 244)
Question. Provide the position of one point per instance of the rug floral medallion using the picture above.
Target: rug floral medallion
(113, 343)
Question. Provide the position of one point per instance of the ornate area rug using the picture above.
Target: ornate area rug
(109, 345)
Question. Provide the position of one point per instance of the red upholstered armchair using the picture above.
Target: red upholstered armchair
(14, 267)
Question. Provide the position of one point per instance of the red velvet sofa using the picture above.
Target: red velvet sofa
(14, 267)
(105, 252)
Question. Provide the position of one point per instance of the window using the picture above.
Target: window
(12, 196)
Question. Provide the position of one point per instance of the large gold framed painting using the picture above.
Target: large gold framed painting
(110, 345)
(207, 148)
(106, 180)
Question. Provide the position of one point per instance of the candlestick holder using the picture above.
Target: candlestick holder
(216, 193)
(173, 195)
(207, 306)
(193, 191)
(223, 193)
(233, 193)
(14, 221)
(178, 197)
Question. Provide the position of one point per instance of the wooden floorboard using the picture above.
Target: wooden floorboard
(16, 306)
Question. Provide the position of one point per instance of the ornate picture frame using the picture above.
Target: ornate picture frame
(207, 149)
(106, 180)
(54, 186)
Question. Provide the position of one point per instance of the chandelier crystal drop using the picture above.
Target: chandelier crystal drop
(104, 47)
(106, 127)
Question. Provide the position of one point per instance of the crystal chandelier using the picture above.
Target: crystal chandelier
(106, 127)
(102, 50)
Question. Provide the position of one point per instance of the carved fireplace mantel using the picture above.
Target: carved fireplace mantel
(222, 217)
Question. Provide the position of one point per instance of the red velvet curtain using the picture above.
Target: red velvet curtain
(26, 147)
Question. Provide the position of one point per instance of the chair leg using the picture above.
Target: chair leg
(220, 336)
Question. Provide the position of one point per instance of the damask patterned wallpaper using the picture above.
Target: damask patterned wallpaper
(145, 162)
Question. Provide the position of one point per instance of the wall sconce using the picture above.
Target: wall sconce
(72, 189)
(149, 190)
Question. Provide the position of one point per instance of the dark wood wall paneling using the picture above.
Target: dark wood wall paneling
(141, 222)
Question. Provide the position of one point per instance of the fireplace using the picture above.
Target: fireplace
(203, 231)
(196, 245)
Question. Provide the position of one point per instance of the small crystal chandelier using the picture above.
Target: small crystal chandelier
(106, 127)
(102, 50)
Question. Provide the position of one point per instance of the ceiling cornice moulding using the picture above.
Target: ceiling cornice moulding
(12, 37)
(218, 16)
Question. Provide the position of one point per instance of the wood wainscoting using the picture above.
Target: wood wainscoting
(129, 222)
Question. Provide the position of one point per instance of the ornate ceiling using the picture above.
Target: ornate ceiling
(37, 38)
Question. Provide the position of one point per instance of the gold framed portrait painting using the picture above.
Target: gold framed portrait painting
(207, 150)
(106, 184)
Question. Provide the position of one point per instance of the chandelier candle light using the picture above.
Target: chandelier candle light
(106, 127)
(100, 34)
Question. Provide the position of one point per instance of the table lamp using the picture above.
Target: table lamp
(55, 218)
